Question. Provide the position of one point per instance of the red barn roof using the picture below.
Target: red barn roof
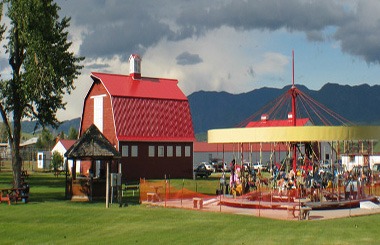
(278, 123)
(126, 86)
(148, 109)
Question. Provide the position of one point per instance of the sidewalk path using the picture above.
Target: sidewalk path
(212, 205)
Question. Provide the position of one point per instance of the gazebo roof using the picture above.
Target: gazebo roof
(92, 145)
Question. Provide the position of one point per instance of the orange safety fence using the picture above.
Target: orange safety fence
(164, 190)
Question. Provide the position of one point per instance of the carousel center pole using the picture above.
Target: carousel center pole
(294, 116)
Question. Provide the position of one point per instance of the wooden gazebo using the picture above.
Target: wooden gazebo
(92, 147)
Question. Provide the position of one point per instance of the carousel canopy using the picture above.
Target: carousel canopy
(294, 134)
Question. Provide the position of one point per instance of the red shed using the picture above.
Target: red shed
(147, 119)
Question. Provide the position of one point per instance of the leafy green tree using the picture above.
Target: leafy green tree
(56, 161)
(73, 134)
(42, 69)
(3, 133)
(45, 141)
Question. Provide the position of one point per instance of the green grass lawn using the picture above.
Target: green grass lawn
(49, 219)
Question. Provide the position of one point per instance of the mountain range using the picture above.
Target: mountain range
(211, 110)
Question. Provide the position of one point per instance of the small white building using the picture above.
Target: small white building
(349, 161)
(61, 147)
(43, 160)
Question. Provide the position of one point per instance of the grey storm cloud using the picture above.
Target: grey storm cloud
(270, 14)
(188, 59)
(127, 26)
(117, 27)
(97, 66)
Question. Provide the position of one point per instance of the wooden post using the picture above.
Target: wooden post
(120, 187)
(74, 169)
(66, 179)
(107, 184)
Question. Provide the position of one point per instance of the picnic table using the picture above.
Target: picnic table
(24, 174)
(15, 194)
(59, 172)
(152, 196)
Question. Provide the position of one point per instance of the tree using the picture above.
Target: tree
(42, 69)
(61, 136)
(3, 133)
(56, 161)
(45, 141)
(73, 134)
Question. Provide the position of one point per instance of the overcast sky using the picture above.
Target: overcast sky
(227, 45)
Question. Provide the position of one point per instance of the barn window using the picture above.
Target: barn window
(134, 151)
(151, 151)
(187, 151)
(161, 151)
(98, 111)
(178, 151)
(124, 151)
(169, 151)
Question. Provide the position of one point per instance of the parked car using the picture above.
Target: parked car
(202, 171)
(219, 166)
(209, 166)
(265, 167)
(257, 166)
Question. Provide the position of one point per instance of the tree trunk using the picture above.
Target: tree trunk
(16, 157)
(16, 166)
(16, 62)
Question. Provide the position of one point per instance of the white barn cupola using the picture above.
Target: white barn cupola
(135, 66)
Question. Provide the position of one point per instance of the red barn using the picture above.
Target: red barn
(147, 119)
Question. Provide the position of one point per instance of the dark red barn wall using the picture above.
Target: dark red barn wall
(156, 167)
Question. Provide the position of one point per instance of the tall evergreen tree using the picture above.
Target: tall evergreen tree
(43, 69)
(61, 135)
(45, 141)
(73, 134)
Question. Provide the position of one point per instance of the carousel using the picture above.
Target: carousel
(305, 178)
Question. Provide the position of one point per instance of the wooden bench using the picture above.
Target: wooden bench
(152, 197)
(5, 198)
(198, 202)
(15, 194)
(305, 213)
(133, 188)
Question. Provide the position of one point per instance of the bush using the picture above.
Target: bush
(56, 161)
